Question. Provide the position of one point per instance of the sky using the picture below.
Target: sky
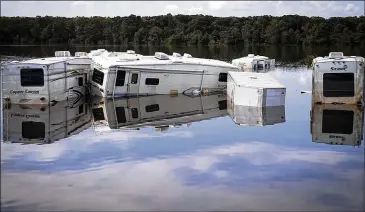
(151, 8)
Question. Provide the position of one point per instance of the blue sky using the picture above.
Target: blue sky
(149, 8)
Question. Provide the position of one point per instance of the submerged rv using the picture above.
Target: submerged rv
(45, 80)
(38, 124)
(337, 124)
(254, 63)
(338, 79)
(116, 74)
(159, 111)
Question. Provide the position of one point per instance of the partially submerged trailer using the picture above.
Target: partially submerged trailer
(338, 79)
(254, 63)
(157, 111)
(337, 124)
(44, 80)
(254, 89)
(42, 124)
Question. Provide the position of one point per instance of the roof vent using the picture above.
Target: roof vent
(130, 52)
(250, 55)
(161, 56)
(176, 54)
(336, 55)
(62, 54)
(187, 55)
(80, 54)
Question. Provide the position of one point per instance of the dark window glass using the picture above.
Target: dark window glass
(98, 77)
(120, 115)
(338, 84)
(337, 121)
(134, 113)
(33, 130)
(81, 109)
(81, 81)
(222, 105)
(152, 108)
(152, 81)
(260, 66)
(222, 77)
(120, 78)
(134, 78)
(254, 67)
(98, 114)
(32, 77)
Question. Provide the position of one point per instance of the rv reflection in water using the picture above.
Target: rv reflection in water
(337, 124)
(161, 111)
(25, 123)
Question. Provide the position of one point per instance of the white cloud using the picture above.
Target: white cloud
(153, 184)
(215, 8)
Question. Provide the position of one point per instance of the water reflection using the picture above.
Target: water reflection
(27, 124)
(337, 124)
(160, 111)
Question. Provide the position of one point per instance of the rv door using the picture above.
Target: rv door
(133, 82)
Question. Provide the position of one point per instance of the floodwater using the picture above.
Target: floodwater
(185, 153)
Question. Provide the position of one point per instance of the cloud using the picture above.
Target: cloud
(157, 183)
(215, 8)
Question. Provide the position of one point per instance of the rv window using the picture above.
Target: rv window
(337, 121)
(98, 114)
(120, 78)
(338, 84)
(222, 105)
(31, 77)
(81, 109)
(222, 77)
(134, 113)
(152, 108)
(33, 130)
(152, 81)
(81, 81)
(260, 66)
(98, 77)
(120, 114)
(254, 67)
(134, 78)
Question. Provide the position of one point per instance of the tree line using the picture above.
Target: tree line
(184, 30)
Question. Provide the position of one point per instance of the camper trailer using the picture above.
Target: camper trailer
(160, 111)
(44, 80)
(254, 63)
(116, 74)
(254, 90)
(41, 124)
(338, 79)
(337, 124)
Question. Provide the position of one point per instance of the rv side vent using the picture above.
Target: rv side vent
(187, 55)
(130, 52)
(80, 54)
(62, 54)
(336, 55)
(176, 54)
(161, 56)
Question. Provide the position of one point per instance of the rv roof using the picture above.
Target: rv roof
(47, 60)
(257, 80)
(108, 59)
(345, 59)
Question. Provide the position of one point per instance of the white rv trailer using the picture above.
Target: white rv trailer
(43, 80)
(337, 124)
(255, 89)
(160, 111)
(254, 63)
(118, 74)
(42, 124)
(338, 79)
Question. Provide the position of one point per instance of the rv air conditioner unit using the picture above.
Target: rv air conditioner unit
(130, 52)
(80, 54)
(176, 54)
(62, 54)
(161, 56)
(187, 55)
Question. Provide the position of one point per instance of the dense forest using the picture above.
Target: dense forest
(183, 30)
